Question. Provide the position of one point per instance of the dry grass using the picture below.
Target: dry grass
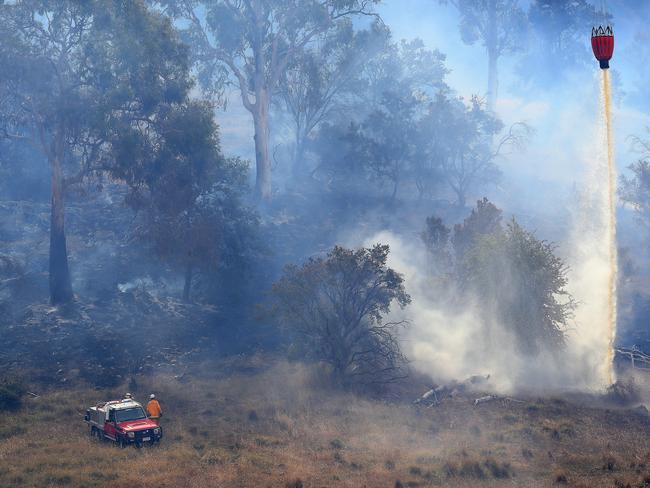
(282, 427)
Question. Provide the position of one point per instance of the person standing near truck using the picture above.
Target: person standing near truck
(153, 409)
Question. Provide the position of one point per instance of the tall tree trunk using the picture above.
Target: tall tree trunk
(493, 54)
(298, 165)
(393, 196)
(262, 160)
(396, 181)
(461, 198)
(187, 287)
(493, 79)
(60, 283)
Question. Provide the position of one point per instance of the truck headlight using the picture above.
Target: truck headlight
(131, 434)
(156, 431)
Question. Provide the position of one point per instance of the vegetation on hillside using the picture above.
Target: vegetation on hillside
(197, 200)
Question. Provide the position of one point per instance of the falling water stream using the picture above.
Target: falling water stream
(611, 223)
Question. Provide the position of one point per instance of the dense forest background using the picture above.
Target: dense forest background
(185, 179)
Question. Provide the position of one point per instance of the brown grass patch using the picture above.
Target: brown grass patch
(282, 426)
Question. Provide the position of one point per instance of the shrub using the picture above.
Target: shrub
(11, 392)
(610, 463)
(471, 469)
(560, 478)
(498, 470)
(336, 444)
(334, 307)
(624, 393)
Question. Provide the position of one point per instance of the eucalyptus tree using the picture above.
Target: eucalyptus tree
(379, 134)
(500, 25)
(251, 43)
(435, 238)
(522, 284)
(406, 66)
(188, 197)
(335, 306)
(557, 31)
(464, 141)
(84, 83)
(485, 219)
(635, 187)
(388, 141)
(324, 81)
(348, 74)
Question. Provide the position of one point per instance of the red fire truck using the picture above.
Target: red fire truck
(122, 421)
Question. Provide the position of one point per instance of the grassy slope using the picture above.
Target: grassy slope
(259, 427)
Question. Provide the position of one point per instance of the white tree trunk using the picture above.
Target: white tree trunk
(262, 160)
(493, 80)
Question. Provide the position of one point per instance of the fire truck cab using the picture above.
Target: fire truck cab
(122, 421)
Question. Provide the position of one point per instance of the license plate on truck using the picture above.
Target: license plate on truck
(146, 438)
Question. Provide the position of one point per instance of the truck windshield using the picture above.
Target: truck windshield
(128, 414)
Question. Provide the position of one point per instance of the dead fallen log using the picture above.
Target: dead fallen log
(637, 358)
(510, 399)
(428, 397)
(438, 393)
(484, 399)
(489, 398)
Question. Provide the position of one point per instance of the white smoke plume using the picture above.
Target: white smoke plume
(447, 342)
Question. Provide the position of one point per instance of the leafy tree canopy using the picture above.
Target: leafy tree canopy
(335, 306)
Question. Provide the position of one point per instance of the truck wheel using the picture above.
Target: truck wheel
(122, 442)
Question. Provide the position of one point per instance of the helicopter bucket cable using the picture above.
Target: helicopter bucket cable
(603, 11)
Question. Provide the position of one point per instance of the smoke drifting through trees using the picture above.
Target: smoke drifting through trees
(499, 25)
(67, 91)
(254, 43)
(502, 307)
(378, 139)
(635, 189)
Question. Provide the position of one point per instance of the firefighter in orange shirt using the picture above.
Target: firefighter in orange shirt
(153, 409)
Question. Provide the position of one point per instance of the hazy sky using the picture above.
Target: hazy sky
(437, 26)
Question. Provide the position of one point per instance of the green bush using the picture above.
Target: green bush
(11, 392)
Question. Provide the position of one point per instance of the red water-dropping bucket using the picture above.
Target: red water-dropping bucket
(602, 43)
